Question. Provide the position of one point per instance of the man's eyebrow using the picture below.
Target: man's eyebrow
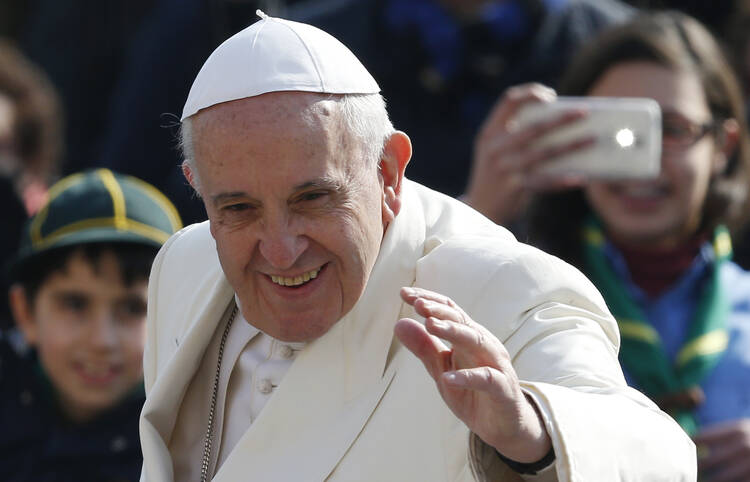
(320, 183)
(225, 196)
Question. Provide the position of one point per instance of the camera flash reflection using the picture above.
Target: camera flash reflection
(625, 138)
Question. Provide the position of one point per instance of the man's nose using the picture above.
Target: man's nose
(281, 244)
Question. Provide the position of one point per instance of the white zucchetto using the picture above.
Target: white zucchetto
(275, 55)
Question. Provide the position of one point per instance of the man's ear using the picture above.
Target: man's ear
(187, 171)
(727, 137)
(23, 313)
(396, 156)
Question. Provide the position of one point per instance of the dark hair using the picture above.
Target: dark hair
(738, 41)
(134, 262)
(679, 42)
(37, 130)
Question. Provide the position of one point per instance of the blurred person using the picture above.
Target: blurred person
(81, 46)
(30, 126)
(713, 15)
(738, 42)
(139, 137)
(660, 249)
(442, 64)
(71, 384)
(314, 327)
(123, 69)
(30, 145)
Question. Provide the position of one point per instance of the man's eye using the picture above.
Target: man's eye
(236, 207)
(312, 196)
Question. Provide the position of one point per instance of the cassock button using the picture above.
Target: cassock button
(265, 386)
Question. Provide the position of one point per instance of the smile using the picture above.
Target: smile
(97, 373)
(297, 280)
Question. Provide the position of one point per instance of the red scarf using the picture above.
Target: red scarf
(656, 270)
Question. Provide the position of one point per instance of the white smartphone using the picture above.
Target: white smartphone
(626, 133)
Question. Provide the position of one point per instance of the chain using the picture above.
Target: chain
(212, 410)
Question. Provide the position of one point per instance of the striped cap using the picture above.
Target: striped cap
(99, 206)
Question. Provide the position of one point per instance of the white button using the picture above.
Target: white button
(265, 386)
(286, 351)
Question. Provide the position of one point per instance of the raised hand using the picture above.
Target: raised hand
(474, 375)
(502, 175)
(724, 451)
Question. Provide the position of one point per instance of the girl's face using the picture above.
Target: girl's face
(663, 212)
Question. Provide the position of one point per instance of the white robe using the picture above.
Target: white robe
(356, 405)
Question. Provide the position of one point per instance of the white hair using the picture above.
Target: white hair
(366, 119)
(363, 115)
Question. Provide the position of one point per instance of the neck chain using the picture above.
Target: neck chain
(212, 410)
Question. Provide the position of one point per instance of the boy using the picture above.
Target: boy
(72, 388)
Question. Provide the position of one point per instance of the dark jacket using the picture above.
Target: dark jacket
(38, 444)
(440, 79)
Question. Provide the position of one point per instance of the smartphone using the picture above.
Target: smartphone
(626, 133)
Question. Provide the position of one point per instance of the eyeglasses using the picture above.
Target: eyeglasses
(679, 133)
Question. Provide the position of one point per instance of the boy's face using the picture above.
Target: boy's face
(89, 330)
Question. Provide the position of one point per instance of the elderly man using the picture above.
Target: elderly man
(271, 352)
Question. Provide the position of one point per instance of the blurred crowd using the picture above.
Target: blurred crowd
(90, 99)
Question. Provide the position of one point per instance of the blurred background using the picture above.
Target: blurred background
(102, 82)
(122, 69)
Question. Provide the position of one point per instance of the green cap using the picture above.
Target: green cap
(98, 206)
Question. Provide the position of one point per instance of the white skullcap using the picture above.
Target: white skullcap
(275, 55)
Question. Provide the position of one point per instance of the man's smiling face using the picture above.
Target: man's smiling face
(296, 212)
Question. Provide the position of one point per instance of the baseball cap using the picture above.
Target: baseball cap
(274, 55)
(98, 206)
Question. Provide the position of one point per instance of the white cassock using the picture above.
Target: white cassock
(355, 405)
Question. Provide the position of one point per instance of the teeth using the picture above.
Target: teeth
(297, 280)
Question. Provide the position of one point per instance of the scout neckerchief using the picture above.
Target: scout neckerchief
(642, 353)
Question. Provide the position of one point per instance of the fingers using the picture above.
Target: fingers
(505, 155)
(539, 180)
(721, 455)
(511, 102)
(430, 304)
(446, 320)
(721, 431)
(724, 447)
(412, 293)
(731, 470)
(482, 379)
(430, 350)
(531, 134)
(515, 150)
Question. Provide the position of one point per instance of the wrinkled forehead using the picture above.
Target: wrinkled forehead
(284, 117)
(285, 109)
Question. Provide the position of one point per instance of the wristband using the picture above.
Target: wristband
(530, 468)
